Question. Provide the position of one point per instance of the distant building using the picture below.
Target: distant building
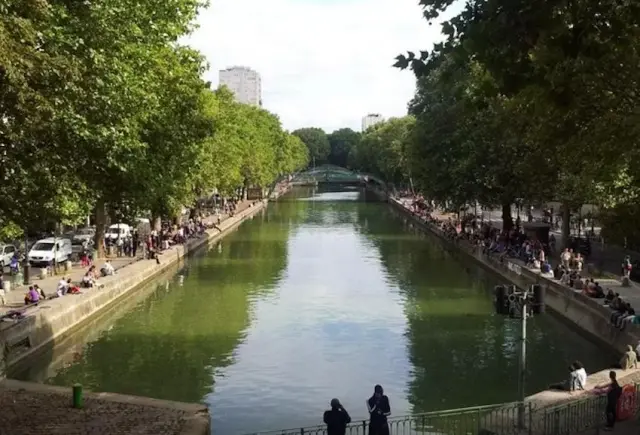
(245, 84)
(371, 119)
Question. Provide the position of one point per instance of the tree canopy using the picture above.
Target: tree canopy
(530, 101)
(101, 108)
(383, 149)
(342, 142)
(317, 142)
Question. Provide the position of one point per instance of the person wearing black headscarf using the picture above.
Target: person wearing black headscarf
(379, 409)
(336, 419)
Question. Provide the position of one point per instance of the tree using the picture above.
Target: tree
(96, 113)
(317, 142)
(555, 79)
(37, 184)
(341, 143)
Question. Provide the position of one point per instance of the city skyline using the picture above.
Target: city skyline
(313, 76)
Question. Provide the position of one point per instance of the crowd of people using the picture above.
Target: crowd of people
(151, 244)
(535, 254)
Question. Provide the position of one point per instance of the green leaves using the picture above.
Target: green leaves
(317, 142)
(342, 142)
(529, 99)
(383, 150)
(99, 103)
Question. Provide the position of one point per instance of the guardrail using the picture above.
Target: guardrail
(570, 418)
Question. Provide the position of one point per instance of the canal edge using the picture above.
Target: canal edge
(585, 316)
(61, 317)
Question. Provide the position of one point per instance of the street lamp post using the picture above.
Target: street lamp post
(521, 305)
(522, 366)
(25, 263)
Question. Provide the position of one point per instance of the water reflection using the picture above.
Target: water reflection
(317, 299)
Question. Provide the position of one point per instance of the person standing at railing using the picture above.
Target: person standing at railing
(336, 419)
(613, 391)
(379, 409)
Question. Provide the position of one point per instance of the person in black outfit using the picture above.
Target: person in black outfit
(614, 393)
(379, 409)
(336, 419)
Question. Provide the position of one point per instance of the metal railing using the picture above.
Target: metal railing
(570, 418)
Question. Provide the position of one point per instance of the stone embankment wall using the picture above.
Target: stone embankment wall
(587, 314)
(52, 319)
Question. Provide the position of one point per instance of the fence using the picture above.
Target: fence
(570, 418)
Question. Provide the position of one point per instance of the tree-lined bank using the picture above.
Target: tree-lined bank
(103, 111)
(521, 104)
(531, 102)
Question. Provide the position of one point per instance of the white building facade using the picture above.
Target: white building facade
(245, 84)
(370, 120)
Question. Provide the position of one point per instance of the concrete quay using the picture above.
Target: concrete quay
(36, 409)
(53, 319)
(587, 315)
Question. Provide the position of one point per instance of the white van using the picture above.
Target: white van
(117, 230)
(44, 251)
(6, 254)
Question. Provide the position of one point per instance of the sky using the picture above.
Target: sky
(324, 63)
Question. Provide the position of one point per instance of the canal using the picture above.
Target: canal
(322, 295)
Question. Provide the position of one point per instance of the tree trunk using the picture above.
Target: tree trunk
(101, 223)
(566, 224)
(156, 222)
(507, 221)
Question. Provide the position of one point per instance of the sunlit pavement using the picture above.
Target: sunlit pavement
(15, 297)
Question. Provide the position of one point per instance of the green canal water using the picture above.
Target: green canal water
(321, 296)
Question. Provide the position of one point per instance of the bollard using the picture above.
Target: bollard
(77, 396)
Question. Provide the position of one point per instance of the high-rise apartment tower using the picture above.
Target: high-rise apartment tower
(371, 119)
(245, 84)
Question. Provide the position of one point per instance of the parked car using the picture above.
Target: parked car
(46, 251)
(6, 254)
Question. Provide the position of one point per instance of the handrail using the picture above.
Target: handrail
(574, 417)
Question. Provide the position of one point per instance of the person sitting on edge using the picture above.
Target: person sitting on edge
(545, 270)
(577, 379)
(89, 278)
(379, 409)
(32, 296)
(629, 359)
(37, 288)
(608, 299)
(580, 378)
(336, 419)
(73, 289)
(62, 288)
(107, 269)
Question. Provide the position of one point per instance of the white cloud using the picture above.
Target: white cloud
(324, 63)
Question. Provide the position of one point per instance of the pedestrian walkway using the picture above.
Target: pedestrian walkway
(630, 294)
(629, 427)
(15, 297)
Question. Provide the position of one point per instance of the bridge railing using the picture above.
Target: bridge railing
(570, 418)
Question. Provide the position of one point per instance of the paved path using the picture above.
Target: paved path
(15, 298)
(630, 427)
(630, 294)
